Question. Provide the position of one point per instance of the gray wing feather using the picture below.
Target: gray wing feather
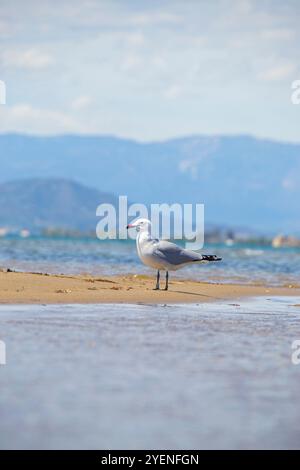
(174, 254)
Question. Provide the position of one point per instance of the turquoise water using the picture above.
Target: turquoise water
(244, 264)
(150, 377)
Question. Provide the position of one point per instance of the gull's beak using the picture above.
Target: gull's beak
(130, 226)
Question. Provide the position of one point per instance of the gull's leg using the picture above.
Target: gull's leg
(157, 281)
(167, 280)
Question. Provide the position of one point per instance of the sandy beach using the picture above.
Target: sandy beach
(31, 288)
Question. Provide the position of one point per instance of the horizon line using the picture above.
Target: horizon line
(147, 142)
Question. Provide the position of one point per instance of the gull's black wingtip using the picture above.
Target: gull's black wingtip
(211, 258)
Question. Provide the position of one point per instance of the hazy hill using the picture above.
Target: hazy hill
(46, 203)
(241, 180)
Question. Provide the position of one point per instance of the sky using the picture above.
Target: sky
(150, 70)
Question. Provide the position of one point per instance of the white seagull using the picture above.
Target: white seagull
(163, 255)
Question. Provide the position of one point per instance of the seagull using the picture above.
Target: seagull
(163, 255)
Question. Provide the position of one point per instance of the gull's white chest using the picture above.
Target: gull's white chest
(144, 246)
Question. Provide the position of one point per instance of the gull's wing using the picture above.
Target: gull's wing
(174, 254)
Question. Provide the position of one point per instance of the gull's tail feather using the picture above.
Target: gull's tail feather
(211, 258)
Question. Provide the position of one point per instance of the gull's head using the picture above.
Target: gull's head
(141, 225)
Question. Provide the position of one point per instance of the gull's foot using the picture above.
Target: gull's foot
(156, 288)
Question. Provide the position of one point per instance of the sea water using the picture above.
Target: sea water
(216, 375)
(241, 263)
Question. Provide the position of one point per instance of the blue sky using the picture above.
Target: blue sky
(150, 70)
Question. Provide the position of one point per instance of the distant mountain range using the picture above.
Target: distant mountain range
(241, 180)
(38, 204)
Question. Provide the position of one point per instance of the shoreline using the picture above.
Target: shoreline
(38, 288)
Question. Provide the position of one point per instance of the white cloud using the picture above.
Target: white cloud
(155, 17)
(27, 59)
(25, 118)
(81, 102)
(281, 34)
(131, 61)
(136, 39)
(172, 92)
(5, 30)
(278, 72)
(213, 64)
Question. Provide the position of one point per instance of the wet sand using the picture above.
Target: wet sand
(32, 288)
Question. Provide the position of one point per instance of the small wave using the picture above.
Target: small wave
(253, 252)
